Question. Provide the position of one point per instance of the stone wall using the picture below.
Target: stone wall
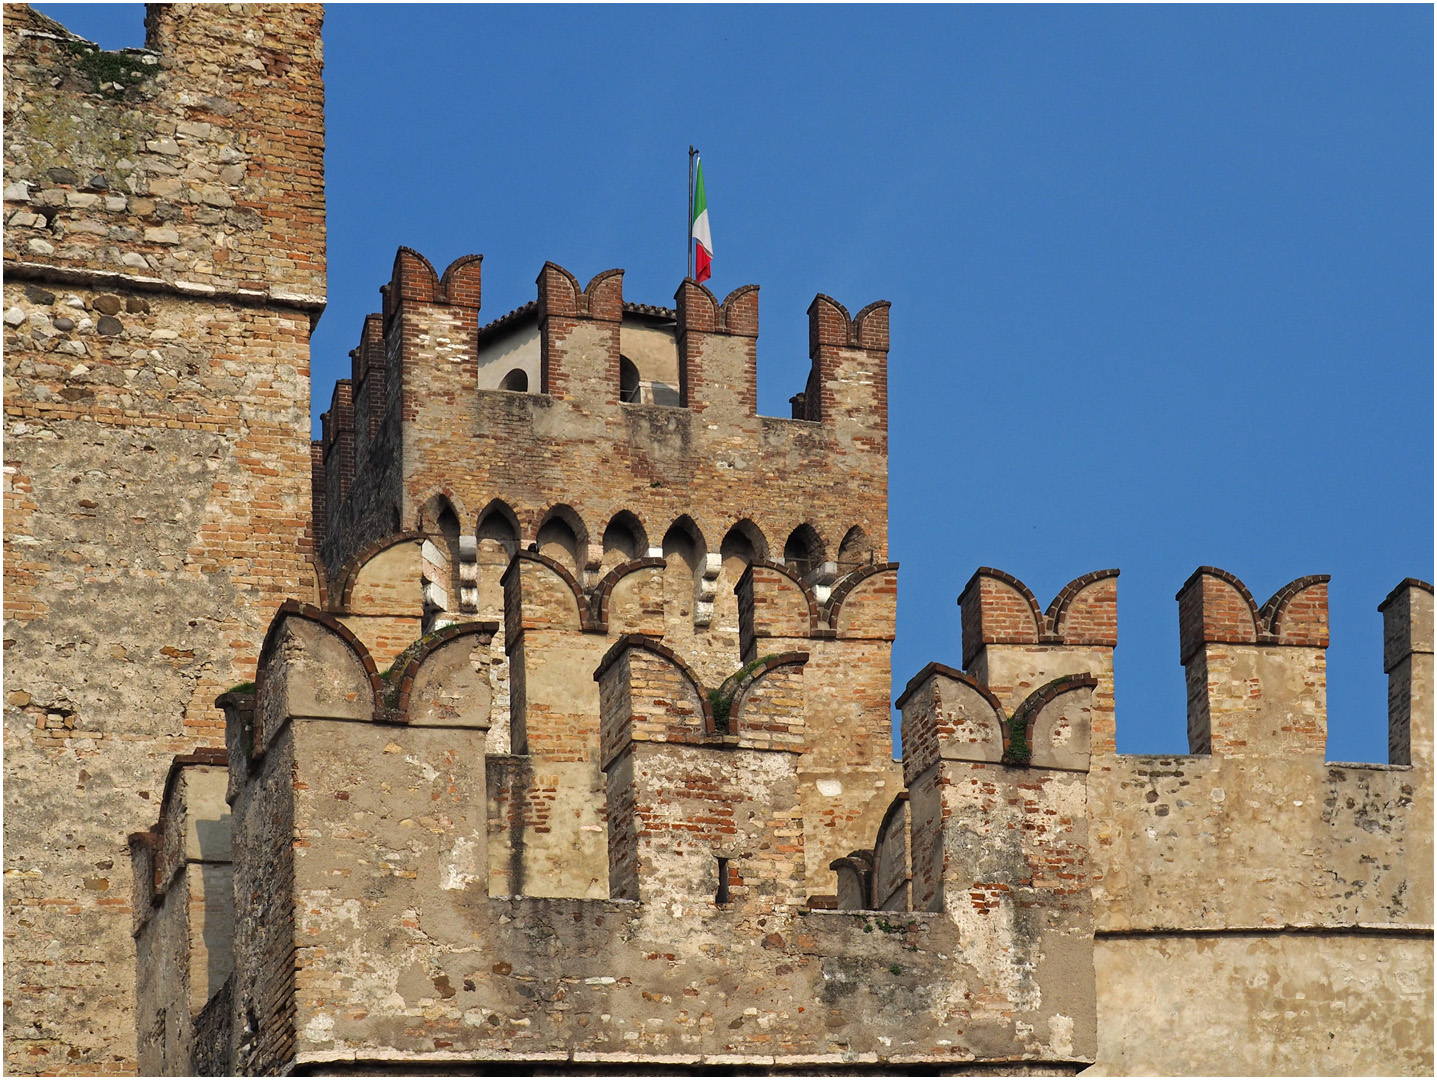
(184, 913)
(1250, 894)
(164, 262)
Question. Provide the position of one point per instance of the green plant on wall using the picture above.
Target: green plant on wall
(722, 697)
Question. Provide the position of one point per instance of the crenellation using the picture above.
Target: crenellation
(568, 744)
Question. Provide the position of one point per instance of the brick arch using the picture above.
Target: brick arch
(1057, 612)
(1259, 623)
(738, 314)
(460, 284)
(815, 614)
(751, 677)
(936, 668)
(973, 619)
(870, 325)
(603, 591)
(349, 572)
(421, 651)
(659, 649)
(846, 585)
(581, 607)
(1274, 613)
(296, 609)
(415, 277)
(1026, 714)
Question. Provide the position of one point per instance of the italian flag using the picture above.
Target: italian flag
(704, 253)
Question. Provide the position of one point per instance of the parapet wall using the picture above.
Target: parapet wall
(420, 425)
(1257, 908)
(357, 833)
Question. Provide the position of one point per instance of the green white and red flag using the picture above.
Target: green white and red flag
(703, 241)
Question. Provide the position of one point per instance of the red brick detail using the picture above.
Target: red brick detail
(787, 720)
(1214, 606)
(514, 610)
(599, 601)
(410, 671)
(317, 494)
(1085, 611)
(699, 316)
(998, 609)
(1027, 713)
(767, 608)
(460, 284)
(295, 609)
(658, 648)
(349, 572)
(1297, 613)
(413, 278)
(885, 593)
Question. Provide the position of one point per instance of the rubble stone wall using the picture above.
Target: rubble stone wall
(164, 262)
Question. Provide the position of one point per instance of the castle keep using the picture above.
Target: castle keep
(537, 717)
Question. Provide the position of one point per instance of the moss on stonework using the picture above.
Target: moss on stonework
(241, 688)
(389, 677)
(112, 72)
(722, 697)
(1018, 751)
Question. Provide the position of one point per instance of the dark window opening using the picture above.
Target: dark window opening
(628, 380)
(517, 380)
(722, 896)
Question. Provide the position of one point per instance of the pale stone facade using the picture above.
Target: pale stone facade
(537, 717)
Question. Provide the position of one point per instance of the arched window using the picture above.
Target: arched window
(628, 380)
(498, 524)
(563, 537)
(517, 380)
(855, 552)
(803, 550)
(624, 539)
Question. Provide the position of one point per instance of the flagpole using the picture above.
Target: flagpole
(689, 224)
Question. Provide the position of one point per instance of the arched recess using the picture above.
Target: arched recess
(742, 545)
(497, 540)
(517, 381)
(804, 550)
(563, 537)
(855, 552)
(684, 555)
(624, 540)
(628, 380)
(439, 582)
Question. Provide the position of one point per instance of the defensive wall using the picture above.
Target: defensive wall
(164, 262)
(568, 741)
(1029, 900)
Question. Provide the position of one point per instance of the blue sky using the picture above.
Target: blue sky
(1161, 276)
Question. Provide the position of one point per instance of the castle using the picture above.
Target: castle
(536, 718)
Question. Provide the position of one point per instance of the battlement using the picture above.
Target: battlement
(594, 385)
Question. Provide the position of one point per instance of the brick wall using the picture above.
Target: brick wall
(164, 261)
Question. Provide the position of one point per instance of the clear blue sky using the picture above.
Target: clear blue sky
(1161, 276)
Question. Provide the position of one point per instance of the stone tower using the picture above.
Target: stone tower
(164, 265)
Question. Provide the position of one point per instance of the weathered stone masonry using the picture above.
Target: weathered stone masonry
(164, 263)
(556, 724)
